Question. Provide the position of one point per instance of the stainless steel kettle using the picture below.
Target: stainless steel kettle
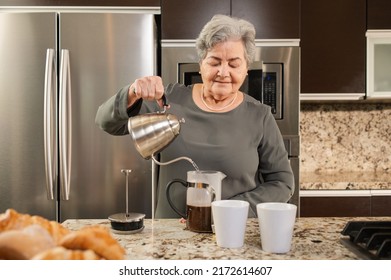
(153, 132)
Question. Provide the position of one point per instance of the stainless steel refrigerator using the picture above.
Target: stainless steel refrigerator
(56, 68)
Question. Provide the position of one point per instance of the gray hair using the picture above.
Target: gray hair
(220, 29)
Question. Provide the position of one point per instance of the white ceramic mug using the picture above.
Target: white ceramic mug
(230, 219)
(276, 223)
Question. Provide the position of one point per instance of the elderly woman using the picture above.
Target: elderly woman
(226, 130)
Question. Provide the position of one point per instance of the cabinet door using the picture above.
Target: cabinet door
(345, 206)
(273, 19)
(95, 3)
(333, 46)
(380, 206)
(379, 14)
(184, 19)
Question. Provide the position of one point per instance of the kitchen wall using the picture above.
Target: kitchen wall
(345, 138)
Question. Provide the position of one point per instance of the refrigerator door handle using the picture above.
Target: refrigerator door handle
(65, 125)
(50, 146)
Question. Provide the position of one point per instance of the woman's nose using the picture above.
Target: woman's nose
(223, 71)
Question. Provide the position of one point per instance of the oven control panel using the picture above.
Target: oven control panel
(272, 88)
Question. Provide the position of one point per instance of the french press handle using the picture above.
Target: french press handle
(183, 183)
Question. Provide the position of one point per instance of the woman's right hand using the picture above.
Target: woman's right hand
(148, 88)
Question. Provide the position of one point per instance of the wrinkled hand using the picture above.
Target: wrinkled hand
(147, 88)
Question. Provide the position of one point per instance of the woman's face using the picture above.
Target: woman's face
(224, 68)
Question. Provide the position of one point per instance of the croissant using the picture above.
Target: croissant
(24, 244)
(12, 220)
(61, 253)
(96, 238)
(33, 237)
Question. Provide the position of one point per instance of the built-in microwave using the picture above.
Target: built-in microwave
(263, 82)
(378, 64)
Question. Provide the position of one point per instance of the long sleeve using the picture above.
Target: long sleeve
(112, 115)
(275, 173)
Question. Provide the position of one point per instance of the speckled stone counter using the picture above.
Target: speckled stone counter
(314, 239)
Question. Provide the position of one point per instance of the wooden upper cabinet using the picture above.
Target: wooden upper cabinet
(102, 3)
(333, 46)
(184, 19)
(273, 19)
(379, 14)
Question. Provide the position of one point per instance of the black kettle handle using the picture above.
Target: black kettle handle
(183, 183)
(165, 102)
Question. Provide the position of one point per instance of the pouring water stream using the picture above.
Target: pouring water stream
(175, 160)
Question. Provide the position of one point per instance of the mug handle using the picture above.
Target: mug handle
(184, 183)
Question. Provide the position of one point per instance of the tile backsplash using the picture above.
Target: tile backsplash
(345, 137)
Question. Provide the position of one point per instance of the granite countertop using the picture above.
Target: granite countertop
(313, 238)
(345, 181)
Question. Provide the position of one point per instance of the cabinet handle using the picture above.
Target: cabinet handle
(65, 122)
